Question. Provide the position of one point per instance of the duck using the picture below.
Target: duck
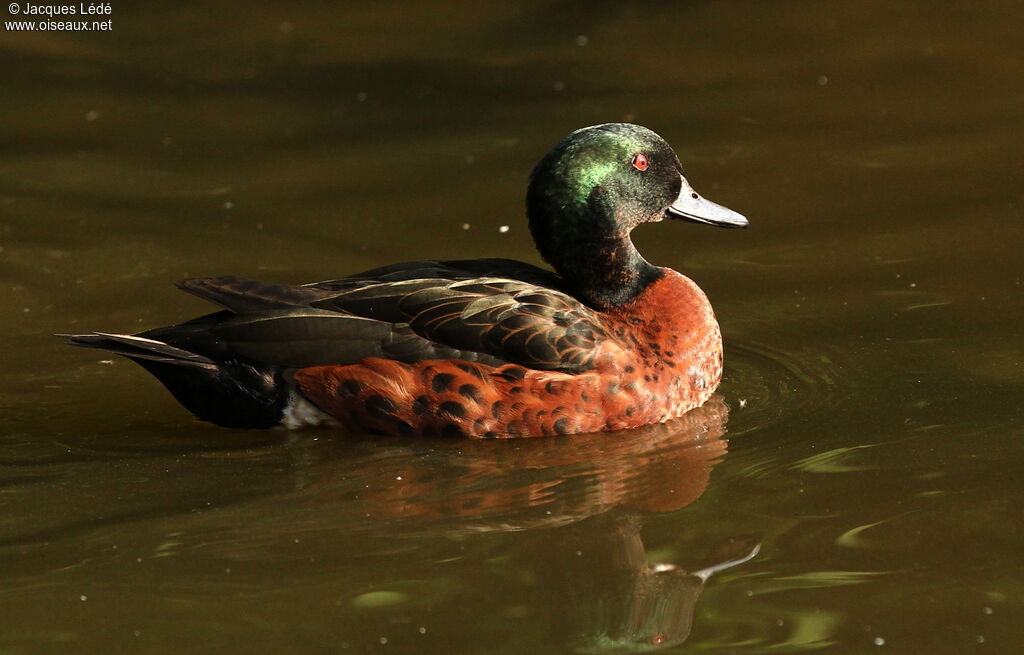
(478, 348)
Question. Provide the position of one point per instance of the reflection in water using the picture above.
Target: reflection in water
(634, 604)
(478, 485)
(593, 491)
(390, 535)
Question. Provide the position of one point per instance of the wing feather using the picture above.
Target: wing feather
(493, 311)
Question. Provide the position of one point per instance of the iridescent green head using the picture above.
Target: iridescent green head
(589, 192)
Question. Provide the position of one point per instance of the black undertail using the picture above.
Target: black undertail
(229, 393)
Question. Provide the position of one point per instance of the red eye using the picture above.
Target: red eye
(640, 161)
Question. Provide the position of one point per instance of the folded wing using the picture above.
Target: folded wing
(492, 311)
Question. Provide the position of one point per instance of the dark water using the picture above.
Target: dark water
(857, 487)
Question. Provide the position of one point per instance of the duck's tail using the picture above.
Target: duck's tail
(230, 393)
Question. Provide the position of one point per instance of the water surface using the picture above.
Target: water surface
(856, 487)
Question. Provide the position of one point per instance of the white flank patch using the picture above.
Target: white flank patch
(300, 413)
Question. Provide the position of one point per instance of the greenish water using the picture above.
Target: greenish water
(873, 315)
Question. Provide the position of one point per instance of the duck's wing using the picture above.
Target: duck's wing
(510, 320)
(409, 312)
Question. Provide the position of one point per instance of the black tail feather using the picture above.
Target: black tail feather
(233, 394)
(137, 347)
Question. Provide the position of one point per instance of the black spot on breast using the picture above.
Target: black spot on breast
(441, 382)
(452, 431)
(490, 435)
(635, 321)
(670, 363)
(471, 392)
(629, 411)
(496, 409)
(561, 426)
(379, 407)
(453, 408)
(420, 405)
(630, 369)
(669, 353)
(350, 388)
(514, 373)
(585, 397)
(404, 428)
(647, 378)
(516, 390)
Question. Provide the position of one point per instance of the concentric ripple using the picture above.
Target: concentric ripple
(766, 386)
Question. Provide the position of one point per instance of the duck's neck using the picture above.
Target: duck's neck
(601, 265)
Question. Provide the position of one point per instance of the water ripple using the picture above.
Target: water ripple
(767, 386)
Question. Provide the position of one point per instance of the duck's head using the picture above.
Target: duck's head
(589, 192)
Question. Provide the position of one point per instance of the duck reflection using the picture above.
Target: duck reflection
(533, 541)
(479, 485)
(582, 500)
(631, 603)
